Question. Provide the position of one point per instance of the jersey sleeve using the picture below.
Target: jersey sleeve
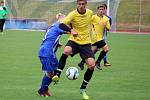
(68, 18)
(107, 24)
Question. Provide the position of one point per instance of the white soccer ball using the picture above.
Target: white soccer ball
(72, 73)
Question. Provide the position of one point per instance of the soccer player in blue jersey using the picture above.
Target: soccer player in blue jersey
(47, 55)
(106, 63)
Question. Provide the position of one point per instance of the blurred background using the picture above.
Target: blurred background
(127, 15)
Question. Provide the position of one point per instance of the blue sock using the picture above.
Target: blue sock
(105, 59)
(45, 83)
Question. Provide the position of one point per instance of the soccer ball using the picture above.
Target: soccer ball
(72, 73)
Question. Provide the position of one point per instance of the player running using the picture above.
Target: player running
(99, 23)
(79, 20)
(106, 63)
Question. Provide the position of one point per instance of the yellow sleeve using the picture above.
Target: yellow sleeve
(107, 25)
(68, 18)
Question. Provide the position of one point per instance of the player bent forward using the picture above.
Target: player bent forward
(47, 55)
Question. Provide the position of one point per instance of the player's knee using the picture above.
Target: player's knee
(67, 50)
(91, 63)
(91, 66)
(106, 49)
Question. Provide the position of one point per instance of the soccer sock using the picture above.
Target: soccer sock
(87, 76)
(105, 59)
(45, 83)
(61, 65)
(100, 57)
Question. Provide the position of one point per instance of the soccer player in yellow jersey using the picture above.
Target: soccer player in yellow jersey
(79, 20)
(106, 63)
(99, 23)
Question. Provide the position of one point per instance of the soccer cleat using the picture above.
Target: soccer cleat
(107, 64)
(44, 93)
(55, 79)
(81, 65)
(98, 66)
(84, 95)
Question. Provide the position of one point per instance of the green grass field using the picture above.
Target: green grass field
(127, 79)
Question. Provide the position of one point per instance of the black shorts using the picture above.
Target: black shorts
(99, 44)
(85, 50)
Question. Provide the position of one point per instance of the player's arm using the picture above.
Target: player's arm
(64, 27)
(107, 25)
(67, 29)
(67, 21)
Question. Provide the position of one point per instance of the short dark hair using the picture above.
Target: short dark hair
(101, 6)
(82, 0)
(104, 5)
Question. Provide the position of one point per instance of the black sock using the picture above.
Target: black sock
(61, 64)
(100, 57)
(87, 76)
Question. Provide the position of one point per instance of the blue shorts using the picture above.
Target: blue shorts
(49, 64)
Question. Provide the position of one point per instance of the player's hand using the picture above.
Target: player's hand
(74, 33)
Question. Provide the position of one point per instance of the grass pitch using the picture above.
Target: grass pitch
(127, 79)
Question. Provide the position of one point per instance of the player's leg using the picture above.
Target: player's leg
(47, 79)
(87, 77)
(48, 69)
(88, 74)
(81, 64)
(62, 61)
(101, 56)
(1, 26)
(106, 63)
(94, 49)
(105, 59)
(88, 55)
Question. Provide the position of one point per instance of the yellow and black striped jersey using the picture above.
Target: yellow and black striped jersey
(81, 24)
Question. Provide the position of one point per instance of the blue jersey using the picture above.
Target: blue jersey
(105, 31)
(50, 41)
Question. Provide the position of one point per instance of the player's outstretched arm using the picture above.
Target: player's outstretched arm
(68, 29)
